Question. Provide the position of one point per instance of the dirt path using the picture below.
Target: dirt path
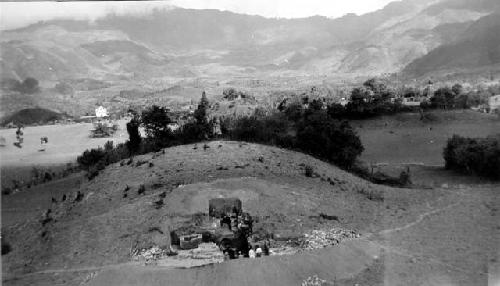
(420, 218)
(7, 276)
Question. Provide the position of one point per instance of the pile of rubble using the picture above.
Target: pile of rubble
(205, 251)
(323, 238)
(314, 281)
(152, 254)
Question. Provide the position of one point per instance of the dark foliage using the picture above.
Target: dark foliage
(311, 130)
(232, 94)
(480, 156)
(32, 116)
(329, 139)
(309, 171)
(141, 190)
(91, 157)
(134, 135)
(6, 248)
(155, 121)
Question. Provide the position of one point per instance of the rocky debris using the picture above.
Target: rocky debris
(152, 254)
(314, 281)
(205, 251)
(323, 238)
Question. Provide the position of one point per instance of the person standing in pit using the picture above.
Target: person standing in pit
(251, 253)
(266, 248)
(258, 251)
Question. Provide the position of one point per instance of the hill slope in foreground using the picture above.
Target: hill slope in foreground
(411, 236)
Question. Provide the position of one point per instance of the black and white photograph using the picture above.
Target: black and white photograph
(250, 142)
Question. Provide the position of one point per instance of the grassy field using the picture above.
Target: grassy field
(405, 139)
(66, 142)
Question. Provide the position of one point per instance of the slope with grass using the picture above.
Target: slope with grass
(90, 237)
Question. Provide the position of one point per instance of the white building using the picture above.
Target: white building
(101, 112)
(173, 126)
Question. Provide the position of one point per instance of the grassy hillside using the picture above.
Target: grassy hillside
(477, 46)
(90, 237)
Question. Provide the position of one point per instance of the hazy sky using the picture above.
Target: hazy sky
(18, 14)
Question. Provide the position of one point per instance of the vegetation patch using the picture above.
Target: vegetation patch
(31, 116)
(480, 156)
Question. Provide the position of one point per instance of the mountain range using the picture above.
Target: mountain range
(415, 38)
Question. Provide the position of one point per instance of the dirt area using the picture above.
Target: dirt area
(408, 236)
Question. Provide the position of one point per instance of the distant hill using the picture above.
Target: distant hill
(477, 46)
(417, 36)
(32, 116)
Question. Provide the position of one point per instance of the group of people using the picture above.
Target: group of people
(256, 251)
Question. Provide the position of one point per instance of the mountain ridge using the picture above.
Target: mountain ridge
(177, 41)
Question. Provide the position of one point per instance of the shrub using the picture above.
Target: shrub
(158, 204)
(155, 121)
(141, 190)
(480, 156)
(329, 139)
(90, 158)
(193, 132)
(6, 191)
(309, 171)
(134, 135)
(6, 248)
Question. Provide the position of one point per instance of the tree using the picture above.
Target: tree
(90, 158)
(155, 121)
(294, 111)
(377, 88)
(203, 127)
(443, 98)
(359, 96)
(479, 156)
(330, 139)
(337, 111)
(200, 113)
(134, 136)
(457, 89)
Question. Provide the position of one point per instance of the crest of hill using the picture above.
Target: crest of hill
(110, 216)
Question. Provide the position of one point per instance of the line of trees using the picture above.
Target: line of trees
(311, 130)
(374, 98)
